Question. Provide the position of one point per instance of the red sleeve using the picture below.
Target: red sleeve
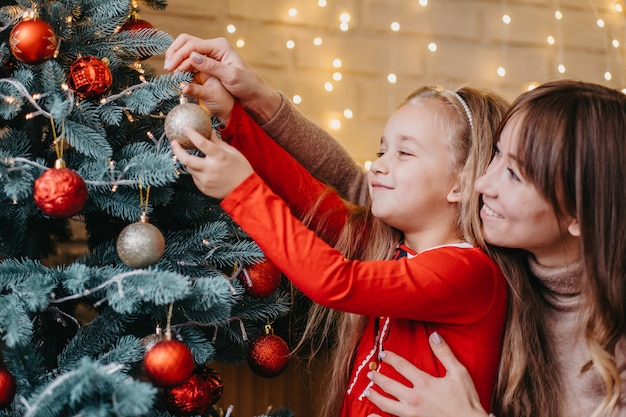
(284, 175)
(449, 284)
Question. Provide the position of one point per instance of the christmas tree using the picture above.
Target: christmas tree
(168, 283)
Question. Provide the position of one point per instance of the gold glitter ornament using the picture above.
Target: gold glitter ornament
(187, 114)
(140, 244)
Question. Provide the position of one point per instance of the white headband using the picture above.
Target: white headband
(465, 107)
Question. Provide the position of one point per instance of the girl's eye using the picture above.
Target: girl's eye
(379, 154)
(496, 151)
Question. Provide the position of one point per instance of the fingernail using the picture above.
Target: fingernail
(196, 58)
(381, 355)
(370, 375)
(436, 338)
(367, 392)
(166, 64)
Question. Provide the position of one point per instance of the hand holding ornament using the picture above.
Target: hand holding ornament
(217, 173)
(220, 60)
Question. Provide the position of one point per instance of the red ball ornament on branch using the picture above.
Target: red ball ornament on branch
(89, 77)
(60, 192)
(7, 388)
(195, 396)
(134, 23)
(261, 279)
(33, 41)
(168, 363)
(268, 355)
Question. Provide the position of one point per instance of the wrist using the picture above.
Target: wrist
(263, 106)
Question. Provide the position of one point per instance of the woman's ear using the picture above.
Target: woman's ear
(574, 228)
(454, 196)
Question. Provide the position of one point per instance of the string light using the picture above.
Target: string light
(337, 76)
(292, 12)
(506, 19)
(335, 124)
(392, 78)
(328, 86)
(240, 43)
(290, 44)
(321, 3)
(297, 99)
(231, 28)
(395, 26)
(348, 114)
(501, 71)
(432, 47)
(550, 40)
(317, 41)
(423, 3)
(561, 68)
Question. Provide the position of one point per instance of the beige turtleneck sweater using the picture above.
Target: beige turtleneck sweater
(583, 392)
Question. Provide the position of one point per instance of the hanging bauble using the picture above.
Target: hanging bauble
(60, 192)
(134, 23)
(261, 279)
(149, 341)
(33, 41)
(168, 363)
(194, 397)
(89, 77)
(187, 114)
(140, 244)
(268, 355)
(7, 388)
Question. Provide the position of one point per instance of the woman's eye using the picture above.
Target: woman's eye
(513, 174)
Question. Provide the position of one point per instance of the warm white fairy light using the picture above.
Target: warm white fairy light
(344, 17)
(501, 71)
(321, 3)
(608, 76)
(317, 41)
(506, 19)
(392, 78)
(240, 43)
(344, 27)
(337, 63)
(558, 15)
(618, 8)
(292, 12)
(600, 23)
(367, 165)
(328, 86)
(615, 43)
(395, 26)
(348, 114)
(550, 40)
(532, 86)
(297, 99)
(337, 76)
(423, 3)
(231, 28)
(432, 47)
(561, 68)
(335, 124)
(290, 44)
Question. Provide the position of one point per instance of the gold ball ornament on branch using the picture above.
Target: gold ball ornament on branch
(140, 244)
(89, 77)
(60, 192)
(268, 355)
(33, 41)
(194, 396)
(183, 115)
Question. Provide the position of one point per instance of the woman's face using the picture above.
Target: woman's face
(516, 215)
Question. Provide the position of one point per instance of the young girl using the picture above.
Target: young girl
(555, 190)
(430, 151)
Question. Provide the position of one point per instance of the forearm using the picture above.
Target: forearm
(318, 152)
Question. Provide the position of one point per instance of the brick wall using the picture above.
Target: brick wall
(471, 38)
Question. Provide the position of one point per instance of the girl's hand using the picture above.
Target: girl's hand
(217, 173)
(217, 58)
(453, 395)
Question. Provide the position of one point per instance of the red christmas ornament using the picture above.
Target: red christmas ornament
(262, 279)
(134, 23)
(7, 388)
(89, 77)
(268, 355)
(202, 390)
(33, 41)
(60, 192)
(168, 363)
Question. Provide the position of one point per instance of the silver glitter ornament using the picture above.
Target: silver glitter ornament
(140, 244)
(187, 114)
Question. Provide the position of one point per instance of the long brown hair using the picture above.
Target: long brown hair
(572, 148)
(365, 237)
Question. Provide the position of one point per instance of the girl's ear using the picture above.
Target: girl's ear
(574, 228)
(454, 196)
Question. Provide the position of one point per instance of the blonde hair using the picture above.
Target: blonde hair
(469, 129)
